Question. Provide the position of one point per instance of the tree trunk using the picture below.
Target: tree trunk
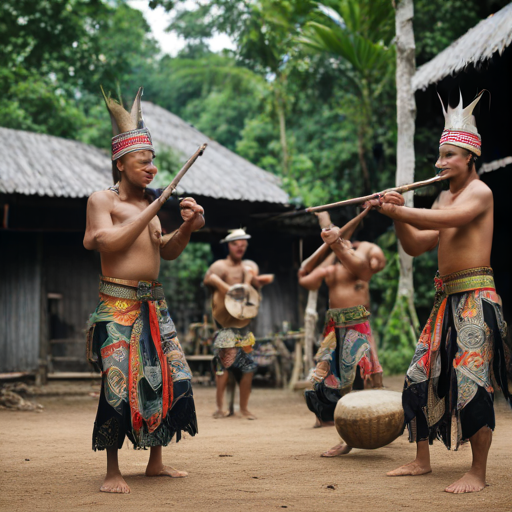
(406, 114)
(281, 114)
(310, 319)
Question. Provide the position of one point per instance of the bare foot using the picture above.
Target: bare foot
(339, 449)
(115, 484)
(319, 423)
(414, 468)
(248, 415)
(220, 414)
(166, 471)
(470, 482)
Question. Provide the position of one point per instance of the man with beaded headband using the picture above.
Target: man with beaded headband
(448, 391)
(146, 391)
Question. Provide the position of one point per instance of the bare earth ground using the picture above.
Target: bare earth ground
(273, 463)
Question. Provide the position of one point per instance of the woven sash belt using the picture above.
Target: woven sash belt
(467, 280)
(132, 290)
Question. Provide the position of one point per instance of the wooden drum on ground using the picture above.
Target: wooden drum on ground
(369, 419)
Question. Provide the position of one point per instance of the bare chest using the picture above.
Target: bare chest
(124, 213)
(233, 275)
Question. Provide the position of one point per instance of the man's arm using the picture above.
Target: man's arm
(102, 235)
(475, 203)
(174, 244)
(213, 278)
(416, 241)
(313, 280)
(356, 261)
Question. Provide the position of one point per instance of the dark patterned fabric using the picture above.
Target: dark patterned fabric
(448, 390)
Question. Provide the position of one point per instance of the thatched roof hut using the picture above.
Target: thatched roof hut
(479, 44)
(48, 281)
(55, 167)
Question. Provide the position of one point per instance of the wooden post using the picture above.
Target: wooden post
(406, 115)
(42, 371)
(298, 362)
(310, 319)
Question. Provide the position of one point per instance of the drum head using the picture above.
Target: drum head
(242, 301)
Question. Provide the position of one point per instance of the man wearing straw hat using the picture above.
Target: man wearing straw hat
(347, 358)
(234, 342)
(448, 390)
(146, 392)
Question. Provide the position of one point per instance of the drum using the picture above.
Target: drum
(242, 301)
(369, 419)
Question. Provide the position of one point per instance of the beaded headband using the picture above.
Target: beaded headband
(460, 127)
(128, 128)
(134, 140)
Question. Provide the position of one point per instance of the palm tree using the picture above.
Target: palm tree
(358, 33)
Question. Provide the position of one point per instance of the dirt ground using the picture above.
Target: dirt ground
(273, 463)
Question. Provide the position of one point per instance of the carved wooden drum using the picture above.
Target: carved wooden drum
(369, 419)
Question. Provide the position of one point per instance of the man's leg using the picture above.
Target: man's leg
(474, 479)
(339, 449)
(221, 382)
(419, 466)
(156, 466)
(320, 423)
(245, 392)
(114, 481)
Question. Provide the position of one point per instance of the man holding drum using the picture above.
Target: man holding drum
(347, 357)
(448, 392)
(235, 283)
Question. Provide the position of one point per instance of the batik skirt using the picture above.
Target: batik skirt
(146, 391)
(349, 348)
(232, 349)
(448, 392)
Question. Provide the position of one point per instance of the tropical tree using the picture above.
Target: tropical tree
(402, 329)
(358, 33)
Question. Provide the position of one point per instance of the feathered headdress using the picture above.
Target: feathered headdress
(128, 128)
(460, 126)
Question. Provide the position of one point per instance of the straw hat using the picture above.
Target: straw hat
(236, 234)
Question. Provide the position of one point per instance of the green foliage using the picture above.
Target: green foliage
(182, 279)
(305, 90)
(168, 163)
(399, 340)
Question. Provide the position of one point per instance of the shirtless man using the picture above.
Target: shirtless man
(146, 389)
(233, 343)
(347, 334)
(463, 337)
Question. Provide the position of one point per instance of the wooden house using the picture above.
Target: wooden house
(49, 282)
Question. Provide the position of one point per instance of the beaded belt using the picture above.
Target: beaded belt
(467, 280)
(132, 290)
(347, 316)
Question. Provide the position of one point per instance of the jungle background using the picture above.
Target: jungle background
(308, 93)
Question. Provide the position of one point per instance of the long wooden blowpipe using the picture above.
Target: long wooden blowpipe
(361, 200)
(174, 183)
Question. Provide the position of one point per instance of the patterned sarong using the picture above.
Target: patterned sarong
(232, 348)
(146, 391)
(448, 391)
(349, 348)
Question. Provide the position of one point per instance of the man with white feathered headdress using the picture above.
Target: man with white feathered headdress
(448, 391)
